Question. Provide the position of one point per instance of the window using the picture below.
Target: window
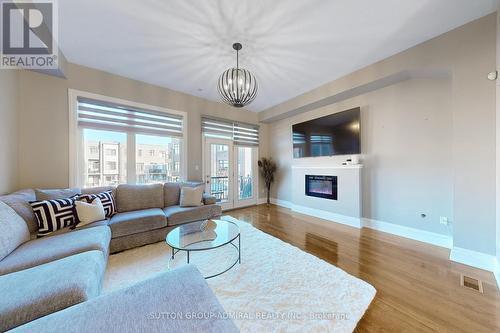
(111, 166)
(155, 168)
(101, 132)
(240, 133)
(94, 166)
(99, 168)
(223, 165)
(110, 152)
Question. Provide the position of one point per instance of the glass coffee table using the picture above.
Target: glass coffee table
(204, 236)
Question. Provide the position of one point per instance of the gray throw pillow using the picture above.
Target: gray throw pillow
(191, 196)
(14, 230)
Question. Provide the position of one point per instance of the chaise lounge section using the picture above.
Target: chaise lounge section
(153, 305)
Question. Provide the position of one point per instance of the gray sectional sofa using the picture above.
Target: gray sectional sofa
(45, 275)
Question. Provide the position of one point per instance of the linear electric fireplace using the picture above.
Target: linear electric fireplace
(321, 186)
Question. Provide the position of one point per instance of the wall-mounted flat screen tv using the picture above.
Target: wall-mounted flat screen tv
(336, 134)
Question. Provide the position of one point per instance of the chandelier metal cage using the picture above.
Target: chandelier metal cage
(237, 86)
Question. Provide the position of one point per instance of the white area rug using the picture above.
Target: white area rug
(277, 287)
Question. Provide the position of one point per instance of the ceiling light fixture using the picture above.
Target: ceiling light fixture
(237, 86)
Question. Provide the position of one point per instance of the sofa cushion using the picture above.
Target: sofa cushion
(43, 250)
(139, 308)
(128, 223)
(42, 290)
(20, 202)
(52, 215)
(179, 215)
(123, 243)
(79, 227)
(13, 230)
(137, 197)
(172, 192)
(99, 189)
(52, 194)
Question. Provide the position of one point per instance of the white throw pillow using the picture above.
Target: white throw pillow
(191, 196)
(89, 212)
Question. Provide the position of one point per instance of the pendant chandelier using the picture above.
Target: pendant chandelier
(237, 86)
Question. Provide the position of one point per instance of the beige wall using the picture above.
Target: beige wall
(468, 54)
(44, 117)
(498, 146)
(8, 131)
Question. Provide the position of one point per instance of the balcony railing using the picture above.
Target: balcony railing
(245, 187)
(219, 187)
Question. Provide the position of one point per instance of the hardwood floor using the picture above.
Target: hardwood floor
(418, 287)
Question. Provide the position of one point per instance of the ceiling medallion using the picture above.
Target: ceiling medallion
(237, 86)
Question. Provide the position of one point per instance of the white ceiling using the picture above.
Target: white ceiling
(292, 46)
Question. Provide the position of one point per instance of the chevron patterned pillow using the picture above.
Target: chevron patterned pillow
(52, 215)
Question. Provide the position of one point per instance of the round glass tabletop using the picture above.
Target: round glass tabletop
(202, 235)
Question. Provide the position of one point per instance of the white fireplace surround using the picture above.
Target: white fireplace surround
(346, 209)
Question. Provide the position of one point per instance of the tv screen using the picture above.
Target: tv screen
(336, 134)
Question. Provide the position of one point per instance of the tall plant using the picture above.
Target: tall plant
(267, 169)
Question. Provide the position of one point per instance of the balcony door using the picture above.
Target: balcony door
(231, 173)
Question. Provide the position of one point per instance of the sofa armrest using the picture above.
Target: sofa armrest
(209, 199)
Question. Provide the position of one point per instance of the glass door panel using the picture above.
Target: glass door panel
(231, 173)
(219, 171)
(246, 176)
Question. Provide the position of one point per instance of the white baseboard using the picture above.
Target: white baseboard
(411, 233)
(323, 214)
(464, 256)
(497, 274)
(261, 201)
(407, 232)
(282, 203)
(474, 259)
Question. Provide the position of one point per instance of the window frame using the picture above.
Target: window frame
(76, 176)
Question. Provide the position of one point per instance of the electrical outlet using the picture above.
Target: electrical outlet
(443, 220)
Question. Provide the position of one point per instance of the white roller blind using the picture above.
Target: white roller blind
(241, 133)
(110, 116)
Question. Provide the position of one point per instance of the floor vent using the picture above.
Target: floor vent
(471, 283)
